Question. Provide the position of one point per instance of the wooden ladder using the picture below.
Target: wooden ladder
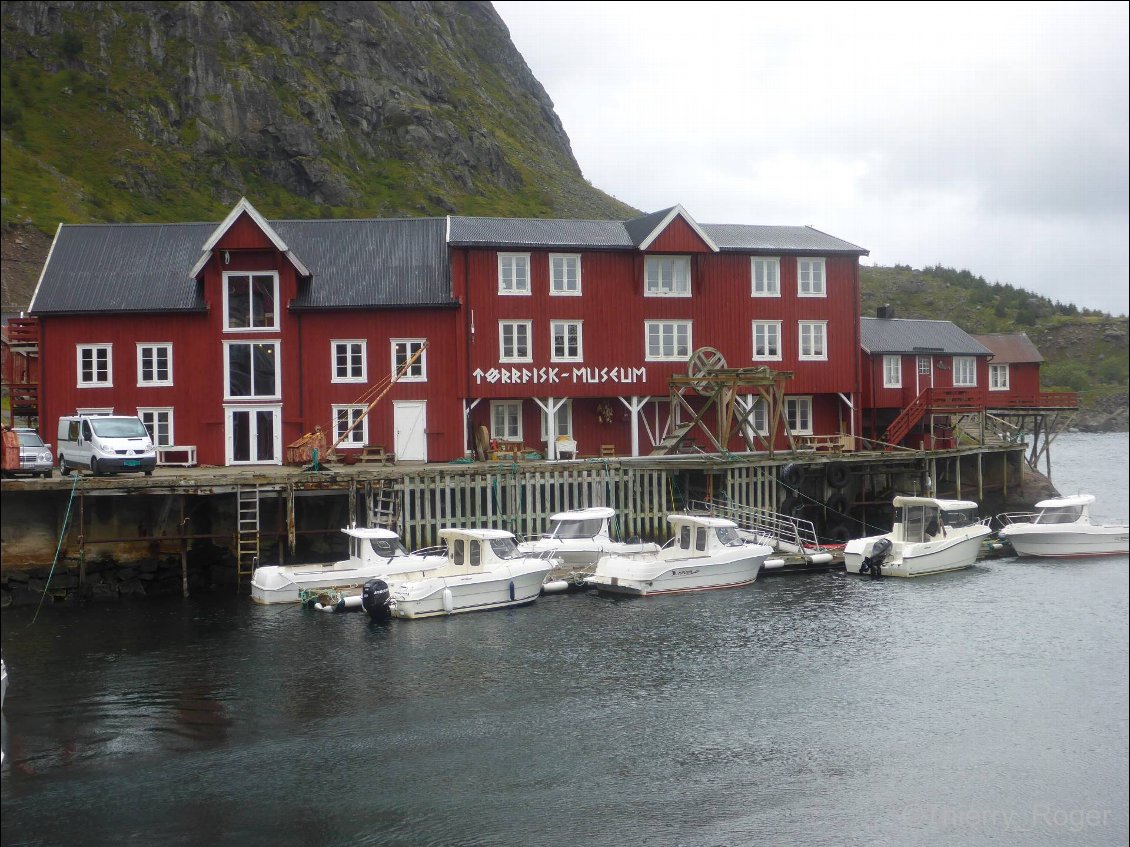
(384, 506)
(247, 532)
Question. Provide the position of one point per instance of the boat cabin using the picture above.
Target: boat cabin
(372, 544)
(479, 547)
(701, 535)
(921, 519)
(1064, 509)
(588, 524)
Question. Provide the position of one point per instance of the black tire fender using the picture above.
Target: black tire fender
(792, 474)
(837, 474)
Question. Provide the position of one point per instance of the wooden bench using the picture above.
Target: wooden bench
(187, 452)
(376, 453)
(820, 443)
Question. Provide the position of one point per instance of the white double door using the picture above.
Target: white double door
(253, 435)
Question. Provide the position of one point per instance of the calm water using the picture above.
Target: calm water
(985, 707)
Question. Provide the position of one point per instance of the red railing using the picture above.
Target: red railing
(947, 399)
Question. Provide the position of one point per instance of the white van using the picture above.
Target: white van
(105, 444)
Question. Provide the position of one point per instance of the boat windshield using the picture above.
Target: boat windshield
(920, 523)
(959, 518)
(576, 529)
(386, 548)
(729, 537)
(504, 548)
(1062, 514)
(119, 427)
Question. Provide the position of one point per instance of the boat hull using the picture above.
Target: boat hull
(450, 595)
(922, 559)
(1067, 543)
(272, 584)
(643, 577)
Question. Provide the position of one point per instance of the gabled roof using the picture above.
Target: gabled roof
(643, 231)
(243, 207)
(908, 335)
(779, 239)
(96, 268)
(1011, 348)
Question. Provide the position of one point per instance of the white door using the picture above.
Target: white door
(253, 435)
(409, 418)
(925, 373)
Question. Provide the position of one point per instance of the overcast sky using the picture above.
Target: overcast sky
(981, 136)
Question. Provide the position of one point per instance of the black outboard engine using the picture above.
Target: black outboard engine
(375, 599)
(873, 564)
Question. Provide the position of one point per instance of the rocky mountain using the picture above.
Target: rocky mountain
(155, 110)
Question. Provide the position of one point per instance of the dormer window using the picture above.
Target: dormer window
(667, 276)
(251, 301)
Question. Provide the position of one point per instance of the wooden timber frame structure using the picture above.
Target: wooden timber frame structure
(723, 389)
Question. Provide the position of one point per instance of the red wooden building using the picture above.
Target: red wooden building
(237, 339)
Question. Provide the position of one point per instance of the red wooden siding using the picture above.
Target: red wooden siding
(678, 237)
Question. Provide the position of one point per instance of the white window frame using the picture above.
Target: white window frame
(360, 436)
(757, 422)
(512, 409)
(677, 328)
(796, 410)
(509, 283)
(145, 349)
(760, 284)
(562, 326)
(157, 412)
(965, 367)
(335, 365)
(925, 365)
(809, 283)
(772, 328)
(892, 372)
(559, 282)
(419, 370)
(680, 282)
(812, 335)
(274, 276)
(511, 328)
(107, 351)
(259, 398)
(995, 381)
(564, 421)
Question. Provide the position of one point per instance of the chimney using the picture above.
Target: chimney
(886, 312)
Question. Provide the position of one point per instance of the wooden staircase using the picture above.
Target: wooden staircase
(945, 400)
(670, 444)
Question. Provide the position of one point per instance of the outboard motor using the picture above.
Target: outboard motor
(375, 599)
(873, 564)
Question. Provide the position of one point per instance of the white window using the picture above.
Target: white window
(566, 341)
(565, 274)
(154, 364)
(95, 366)
(668, 340)
(346, 420)
(564, 415)
(810, 277)
(403, 349)
(252, 370)
(767, 341)
(513, 273)
(998, 377)
(506, 420)
(798, 415)
(667, 276)
(757, 422)
(251, 301)
(964, 371)
(159, 423)
(892, 372)
(765, 275)
(514, 341)
(814, 340)
(925, 365)
(348, 361)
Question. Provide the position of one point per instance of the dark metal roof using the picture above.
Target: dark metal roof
(381, 263)
(532, 233)
(1011, 348)
(121, 268)
(144, 267)
(538, 233)
(907, 335)
(778, 239)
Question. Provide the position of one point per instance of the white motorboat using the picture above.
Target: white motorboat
(929, 536)
(476, 569)
(579, 538)
(704, 553)
(373, 552)
(1062, 528)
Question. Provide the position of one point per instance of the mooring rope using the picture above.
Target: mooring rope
(58, 548)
